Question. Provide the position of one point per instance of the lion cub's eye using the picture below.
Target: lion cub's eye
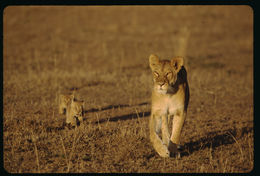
(155, 74)
(169, 75)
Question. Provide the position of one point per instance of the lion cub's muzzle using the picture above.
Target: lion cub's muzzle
(161, 87)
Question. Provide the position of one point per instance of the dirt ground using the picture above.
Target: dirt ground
(102, 51)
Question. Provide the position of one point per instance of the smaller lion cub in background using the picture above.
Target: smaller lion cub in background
(170, 97)
(72, 108)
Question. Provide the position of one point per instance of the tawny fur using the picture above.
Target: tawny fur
(64, 102)
(170, 97)
(75, 112)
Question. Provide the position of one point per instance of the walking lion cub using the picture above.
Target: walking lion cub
(170, 97)
(72, 108)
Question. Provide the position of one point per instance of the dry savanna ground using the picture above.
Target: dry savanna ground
(102, 52)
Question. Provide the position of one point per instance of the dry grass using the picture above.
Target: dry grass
(103, 51)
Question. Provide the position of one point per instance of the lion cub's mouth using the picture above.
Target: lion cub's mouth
(161, 90)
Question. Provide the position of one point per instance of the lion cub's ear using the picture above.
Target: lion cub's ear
(177, 63)
(153, 60)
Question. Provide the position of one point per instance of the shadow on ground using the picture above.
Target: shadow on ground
(124, 117)
(113, 107)
(213, 141)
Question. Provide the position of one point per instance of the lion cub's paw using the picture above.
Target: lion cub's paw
(164, 152)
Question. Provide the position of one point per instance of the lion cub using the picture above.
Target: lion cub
(75, 112)
(170, 97)
(64, 102)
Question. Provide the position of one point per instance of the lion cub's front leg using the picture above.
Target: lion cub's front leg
(165, 130)
(178, 122)
(155, 126)
(70, 119)
(177, 125)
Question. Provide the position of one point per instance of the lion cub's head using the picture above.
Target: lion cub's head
(164, 72)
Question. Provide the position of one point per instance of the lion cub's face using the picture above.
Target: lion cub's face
(164, 72)
(64, 102)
